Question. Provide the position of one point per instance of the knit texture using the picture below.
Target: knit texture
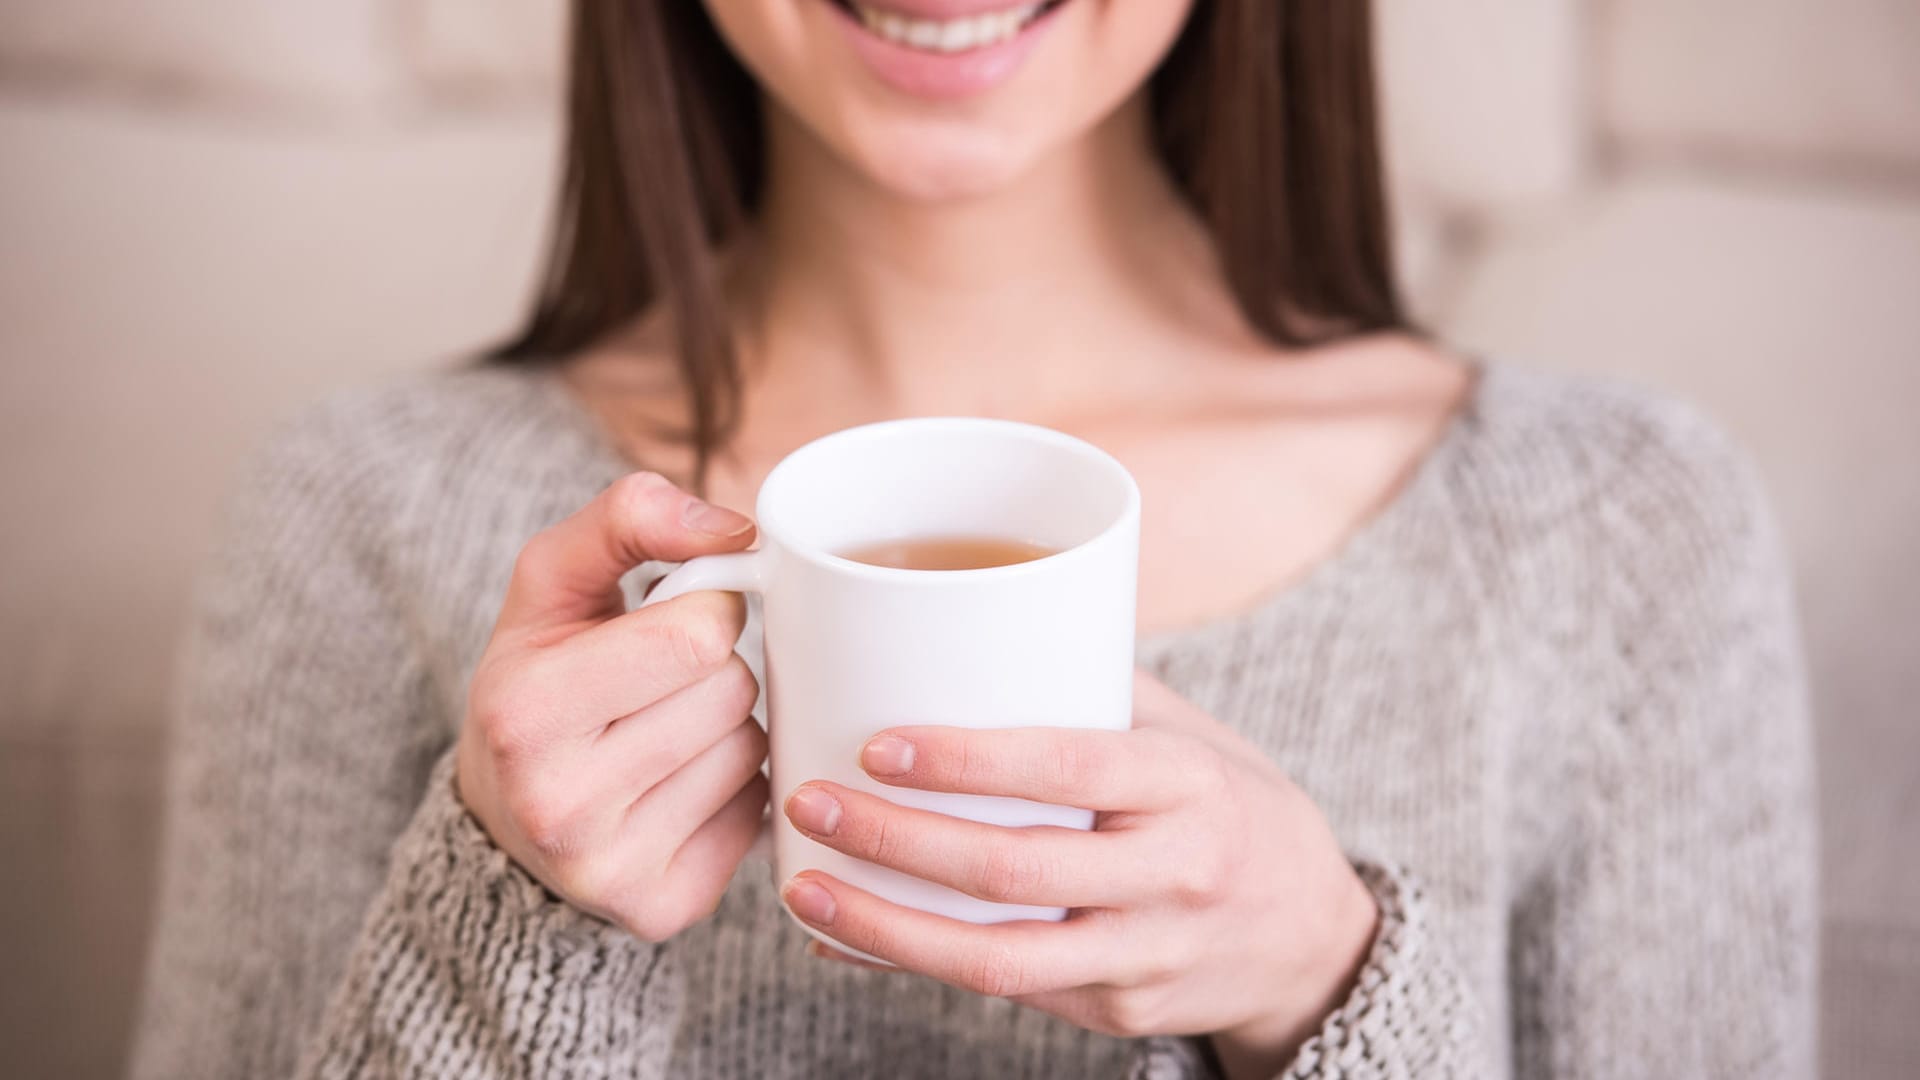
(1550, 698)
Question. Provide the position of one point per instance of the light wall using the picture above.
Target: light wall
(212, 210)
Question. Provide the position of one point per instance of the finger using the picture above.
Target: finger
(630, 662)
(1079, 1007)
(825, 952)
(555, 716)
(1158, 707)
(1041, 864)
(572, 570)
(1155, 701)
(1006, 959)
(629, 700)
(1093, 770)
(672, 810)
(698, 874)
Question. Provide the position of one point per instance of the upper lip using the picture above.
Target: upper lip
(942, 10)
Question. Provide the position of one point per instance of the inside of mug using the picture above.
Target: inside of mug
(956, 477)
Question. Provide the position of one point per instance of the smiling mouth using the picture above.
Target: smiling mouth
(959, 35)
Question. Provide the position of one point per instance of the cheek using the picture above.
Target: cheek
(1099, 53)
(1128, 40)
(774, 40)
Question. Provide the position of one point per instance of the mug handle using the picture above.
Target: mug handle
(739, 571)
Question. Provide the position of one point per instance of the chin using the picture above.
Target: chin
(928, 162)
(947, 99)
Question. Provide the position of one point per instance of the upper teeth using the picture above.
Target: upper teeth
(952, 35)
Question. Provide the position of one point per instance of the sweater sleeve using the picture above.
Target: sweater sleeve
(1673, 931)
(313, 853)
(1410, 1012)
(467, 967)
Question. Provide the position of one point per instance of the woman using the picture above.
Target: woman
(1474, 743)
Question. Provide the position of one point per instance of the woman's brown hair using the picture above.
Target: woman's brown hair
(1264, 112)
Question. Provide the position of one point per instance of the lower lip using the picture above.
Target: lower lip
(941, 76)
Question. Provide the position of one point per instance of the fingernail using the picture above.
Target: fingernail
(704, 517)
(809, 901)
(814, 810)
(886, 755)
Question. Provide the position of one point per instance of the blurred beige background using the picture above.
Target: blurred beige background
(213, 210)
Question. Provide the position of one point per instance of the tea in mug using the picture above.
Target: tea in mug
(948, 552)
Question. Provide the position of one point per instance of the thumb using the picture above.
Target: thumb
(1157, 705)
(572, 571)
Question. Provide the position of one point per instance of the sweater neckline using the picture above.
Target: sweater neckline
(1371, 536)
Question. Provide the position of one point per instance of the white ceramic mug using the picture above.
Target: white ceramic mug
(853, 648)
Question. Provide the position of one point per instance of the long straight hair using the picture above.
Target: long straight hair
(1264, 115)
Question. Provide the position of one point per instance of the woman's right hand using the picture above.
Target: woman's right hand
(610, 752)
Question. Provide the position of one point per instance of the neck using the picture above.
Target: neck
(1008, 303)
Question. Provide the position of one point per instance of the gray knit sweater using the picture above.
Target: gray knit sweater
(1550, 699)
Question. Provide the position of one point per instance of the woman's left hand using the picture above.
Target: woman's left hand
(1210, 897)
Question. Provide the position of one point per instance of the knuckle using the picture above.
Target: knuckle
(653, 922)
(510, 706)
(652, 763)
(867, 937)
(638, 496)
(883, 841)
(1130, 1014)
(543, 818)
(760, 789)
(505, 739)
(1163, 958)
(997, 971)
(965, 761)
(739, 689)
(536, 555)
(755, 742)
(1009, 872)
(1198, 767)
(709, 634)
(1206, 767)
(743, 749)
(590, 880)
(1077, 764)
(692, 640)
(1203, 876)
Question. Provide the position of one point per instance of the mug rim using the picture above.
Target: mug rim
(774, 530)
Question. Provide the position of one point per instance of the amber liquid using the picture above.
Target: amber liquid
(948, 553)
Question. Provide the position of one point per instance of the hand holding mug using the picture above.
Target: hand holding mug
(1042, 634)
(1211, 896)
(610, 752)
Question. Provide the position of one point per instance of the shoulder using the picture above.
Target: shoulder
(1581, 444)
(411, 429)
(371, 457)
(409, 417)
(1635, 499)
(1542, 452)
